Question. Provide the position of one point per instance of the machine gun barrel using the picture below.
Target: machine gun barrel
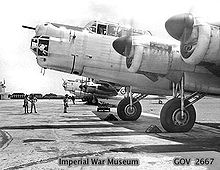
(31, 28)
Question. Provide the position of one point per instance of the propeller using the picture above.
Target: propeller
(181, 27)
(123, 45)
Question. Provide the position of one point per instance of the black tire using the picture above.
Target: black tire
(170, 116)
(124, 108)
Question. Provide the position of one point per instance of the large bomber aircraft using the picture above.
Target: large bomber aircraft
(90, 91)
(143, 63)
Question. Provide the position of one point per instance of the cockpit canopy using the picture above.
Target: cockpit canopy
(113, 29)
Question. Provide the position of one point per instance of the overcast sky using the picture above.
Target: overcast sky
(18, 65)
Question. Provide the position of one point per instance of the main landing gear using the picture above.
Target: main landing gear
(91, 100)
(178, 114)
(129, 108)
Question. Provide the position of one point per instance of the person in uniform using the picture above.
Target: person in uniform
(73, 99)
(25, 103)
(33, 101)
(65, 103)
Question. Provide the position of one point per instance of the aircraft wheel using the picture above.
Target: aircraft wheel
(170, 116)
(127, 112)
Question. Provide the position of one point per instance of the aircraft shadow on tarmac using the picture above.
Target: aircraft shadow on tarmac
(195, 140)
(214, 125)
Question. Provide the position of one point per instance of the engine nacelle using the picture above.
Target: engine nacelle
(194, 50)
(199, 40)
(148, 55)
(152, 57)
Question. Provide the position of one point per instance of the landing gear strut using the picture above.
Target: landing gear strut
(91, 100)
(178, 114)
(129, 108)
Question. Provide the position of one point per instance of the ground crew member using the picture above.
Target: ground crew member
(65, 103)
(73, 99)
(25, 103)
(33, 100)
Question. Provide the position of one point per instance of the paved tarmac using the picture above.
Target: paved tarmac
(44, 139)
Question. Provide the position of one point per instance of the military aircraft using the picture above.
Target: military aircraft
(143, 63)
(89, 91)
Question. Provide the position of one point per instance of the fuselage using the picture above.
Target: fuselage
(92, 55)
(82, 88)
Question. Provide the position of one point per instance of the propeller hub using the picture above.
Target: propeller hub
(123, 45)
(175, 25)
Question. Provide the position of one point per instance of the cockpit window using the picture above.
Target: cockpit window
(101, 29)
(123, 32)
(112, 30)
(93, 28)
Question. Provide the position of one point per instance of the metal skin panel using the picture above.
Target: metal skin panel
(213, 53)
(59, 56)
(57, 62)
(139, 82)
(158, 56)
(202, 82)
(155, 60)
(98, 52)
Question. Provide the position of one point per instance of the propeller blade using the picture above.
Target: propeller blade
(28, 27)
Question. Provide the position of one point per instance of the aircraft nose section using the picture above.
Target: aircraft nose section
(122, 44)
(175, 25)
